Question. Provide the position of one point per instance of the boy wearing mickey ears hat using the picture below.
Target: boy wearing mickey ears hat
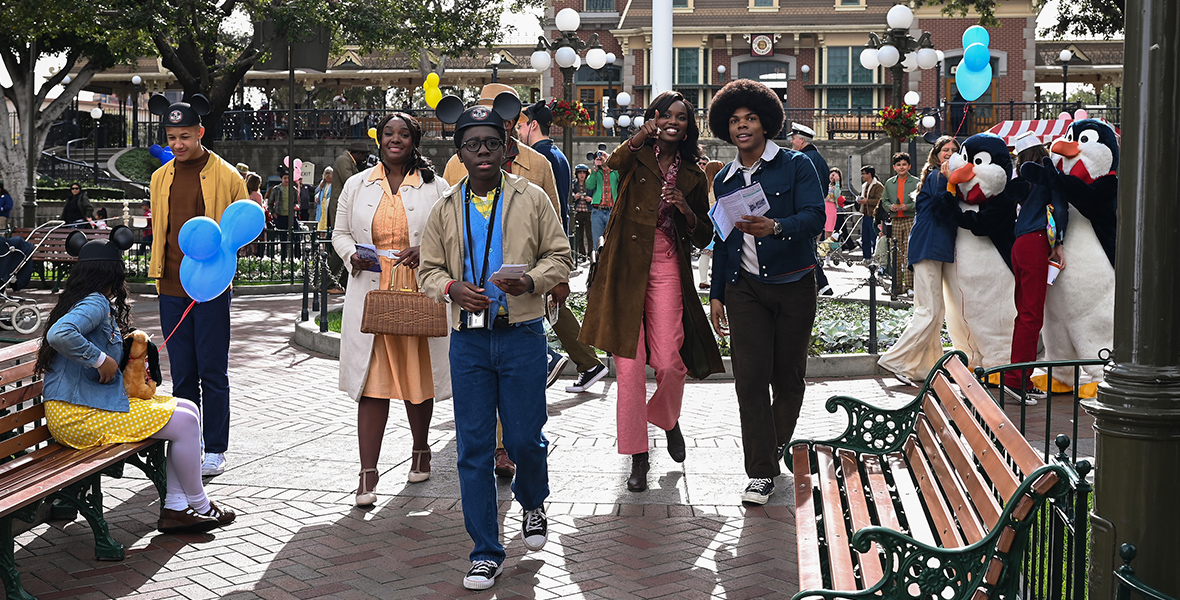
(196, 183)
(488, 220)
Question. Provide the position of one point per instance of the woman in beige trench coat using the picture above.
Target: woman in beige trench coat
(387, 206)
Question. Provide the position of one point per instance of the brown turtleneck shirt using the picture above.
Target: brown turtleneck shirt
(185, 201)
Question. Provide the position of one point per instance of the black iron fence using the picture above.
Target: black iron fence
(1130, 586)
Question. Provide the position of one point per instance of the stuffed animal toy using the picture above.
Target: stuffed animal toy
(980, 299)
(140, 365)
(1079, 306)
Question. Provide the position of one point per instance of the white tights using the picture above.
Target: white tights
(183, 432)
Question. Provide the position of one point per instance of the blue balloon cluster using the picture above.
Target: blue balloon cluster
(974, 74)
(211, 250)
(161, 153)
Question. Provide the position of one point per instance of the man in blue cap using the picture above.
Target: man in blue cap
(196, 183)
(488, 221)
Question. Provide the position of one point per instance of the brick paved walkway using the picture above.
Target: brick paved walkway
(292, 470)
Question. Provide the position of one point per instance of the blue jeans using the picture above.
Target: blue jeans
(198, 356)
(868, 236)
(598, 219)
(499, 371)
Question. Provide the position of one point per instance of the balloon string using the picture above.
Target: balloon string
(963, 120)
(190, 307)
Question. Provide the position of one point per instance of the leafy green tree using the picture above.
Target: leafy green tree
(194, 42)
(91, 34)
(1101, 18)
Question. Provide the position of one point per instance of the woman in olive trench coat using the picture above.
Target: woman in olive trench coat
(619, 293)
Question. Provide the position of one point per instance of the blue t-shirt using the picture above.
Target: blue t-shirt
(475, 249)
(561, 174)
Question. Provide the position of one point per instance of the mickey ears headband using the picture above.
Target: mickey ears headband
(120, 239)
(506, 105)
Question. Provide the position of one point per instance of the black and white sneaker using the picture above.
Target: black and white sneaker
(758, 491)
(535, 530)
(482, 574)
(556, 364)
(826, 291)
(587, 378)
(1029, 396)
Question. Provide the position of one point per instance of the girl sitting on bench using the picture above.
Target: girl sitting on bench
(85, 402)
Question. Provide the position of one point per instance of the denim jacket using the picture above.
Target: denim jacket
(796, 202)
(79, 337)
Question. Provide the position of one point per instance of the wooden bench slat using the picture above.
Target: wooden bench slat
(89, 462)
(907, 492)
(978, 441)
(858, 508)
(22, 417)
(24, 441)
(16, 373)
(20, 350)
(807, 536)
(1014, 444)
(886, 513)
(17, 395)
(838, 537)
(53, 458)
(940, 513)
(956, 497)
(978, 493)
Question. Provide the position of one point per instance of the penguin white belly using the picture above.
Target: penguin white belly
(1079, 306)
(987, 290)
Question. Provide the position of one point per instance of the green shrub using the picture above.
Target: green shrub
(137, 165)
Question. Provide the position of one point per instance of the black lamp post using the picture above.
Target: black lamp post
(495, 63)
(899, 52)
(135, 81)
(29, 206)
(1065, 57)
(565, 49)
(96, 114)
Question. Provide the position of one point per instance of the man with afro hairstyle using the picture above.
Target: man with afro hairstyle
(763, 275)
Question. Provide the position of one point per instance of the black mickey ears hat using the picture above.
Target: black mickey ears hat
(539, 112)
(180, 114)
(111, 248)
(505, 107)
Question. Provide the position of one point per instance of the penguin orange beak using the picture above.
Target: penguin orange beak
(963, 174)
(1066, 149)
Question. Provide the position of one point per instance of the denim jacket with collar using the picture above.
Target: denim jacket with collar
(792, 186)
(80, 337)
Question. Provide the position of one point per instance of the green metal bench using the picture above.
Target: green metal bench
(37, 470)
(933, 500)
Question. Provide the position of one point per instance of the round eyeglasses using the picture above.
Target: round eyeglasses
(492, 144)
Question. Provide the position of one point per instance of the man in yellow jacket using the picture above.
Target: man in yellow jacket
(195, 183)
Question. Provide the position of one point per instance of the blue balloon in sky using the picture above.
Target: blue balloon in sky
(976, 35)
(972, 84)
(975, 57)
(211, 250)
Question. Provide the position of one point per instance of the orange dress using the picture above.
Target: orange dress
(399, 367)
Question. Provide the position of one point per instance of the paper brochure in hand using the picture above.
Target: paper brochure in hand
(369, 252)
(509, 272)
(730, 208)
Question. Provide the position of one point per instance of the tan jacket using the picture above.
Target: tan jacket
(532, 236)
(354, 221)
(529, 164)
(872, 192)
(221, 185)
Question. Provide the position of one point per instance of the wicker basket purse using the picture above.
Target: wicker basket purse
(403, 312)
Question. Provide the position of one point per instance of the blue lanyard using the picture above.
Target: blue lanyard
(483, 273)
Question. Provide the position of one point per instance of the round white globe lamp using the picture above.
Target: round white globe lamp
(912, 98)
(940, 55)
(887, 55)
(567, 19)
(899, 17)
(66, 80)
(806, 69)
(1065, 55)
(540, 60)
(868, 58)
(623, 99)
(608, 122)
(596, 58)
(624, 121)
(927, 58)
(565, 56)
(929, 121)
(721, 69)
(910, 63)
(136, 80)
(638, 122)
(611, 58)
(96, 113)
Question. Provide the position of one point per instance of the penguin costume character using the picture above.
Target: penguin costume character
(981, 303)
(1079, 306)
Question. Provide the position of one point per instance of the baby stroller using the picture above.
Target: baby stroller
(16, 267)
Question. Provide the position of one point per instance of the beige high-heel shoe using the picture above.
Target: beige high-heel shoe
(417, 474)
(366, 496)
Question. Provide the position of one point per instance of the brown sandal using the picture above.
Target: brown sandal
(417, 459)
(185, 521)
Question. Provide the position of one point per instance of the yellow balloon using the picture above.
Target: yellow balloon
(431, 81)
(433, 96)
(373, 133)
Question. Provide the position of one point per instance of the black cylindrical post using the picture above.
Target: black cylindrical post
(29, 206)
(290, 241)
(872, 307)
(1137, 411)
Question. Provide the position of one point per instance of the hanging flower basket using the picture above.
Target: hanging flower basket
(900, 123)
(570, 114)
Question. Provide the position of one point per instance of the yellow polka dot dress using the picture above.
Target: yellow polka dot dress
(84, 427)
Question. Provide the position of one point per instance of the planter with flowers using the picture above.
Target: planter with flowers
(900, 123)
(570, 114)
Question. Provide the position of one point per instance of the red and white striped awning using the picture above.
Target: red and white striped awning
(1046, 130)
